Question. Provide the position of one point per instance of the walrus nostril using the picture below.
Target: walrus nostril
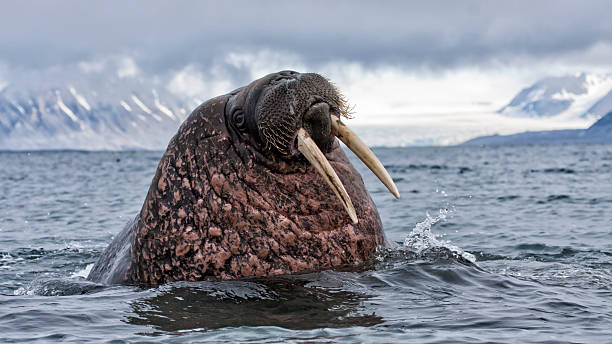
(285, 75)
(317, 122)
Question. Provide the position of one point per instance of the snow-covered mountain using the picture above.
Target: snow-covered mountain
(600, 108)
(564, 97)
(89, 112)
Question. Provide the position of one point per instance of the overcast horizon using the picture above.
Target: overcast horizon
(440, 65)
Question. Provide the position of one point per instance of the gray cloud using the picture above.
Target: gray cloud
(433, 34)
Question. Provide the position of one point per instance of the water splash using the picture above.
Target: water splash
(83, 272)
(421, 239)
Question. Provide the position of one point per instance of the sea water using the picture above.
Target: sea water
(499, 244)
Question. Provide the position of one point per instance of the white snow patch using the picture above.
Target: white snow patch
(144, 108)
(126, 106)
(536, 95)
(141, 105)
(80, 99)
(65, 108)
(161, 106)
(19, 107)
(562, 95)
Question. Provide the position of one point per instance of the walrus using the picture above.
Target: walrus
(254, 183)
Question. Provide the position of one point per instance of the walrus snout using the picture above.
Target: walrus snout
(317, 122)
(297, 115)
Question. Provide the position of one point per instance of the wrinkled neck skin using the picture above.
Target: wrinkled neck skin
(220, 207)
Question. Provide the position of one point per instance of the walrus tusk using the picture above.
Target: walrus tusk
(318, 160)
(354, 143)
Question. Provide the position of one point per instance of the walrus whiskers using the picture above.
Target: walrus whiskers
(318, 160)
(357, 146)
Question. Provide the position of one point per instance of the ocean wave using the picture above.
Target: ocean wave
(58, 287)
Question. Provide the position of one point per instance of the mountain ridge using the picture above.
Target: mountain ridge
(110, 113)
(599, 132)
(117, 110)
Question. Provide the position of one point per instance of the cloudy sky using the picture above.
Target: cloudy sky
(422, 64)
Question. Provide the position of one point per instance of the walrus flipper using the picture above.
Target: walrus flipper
(112, 266)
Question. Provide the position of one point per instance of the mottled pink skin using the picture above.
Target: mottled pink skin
(217, 208)
(232, 200)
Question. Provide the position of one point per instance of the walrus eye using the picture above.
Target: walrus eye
(239, 120)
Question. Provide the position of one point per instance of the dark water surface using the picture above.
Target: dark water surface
(507, 244)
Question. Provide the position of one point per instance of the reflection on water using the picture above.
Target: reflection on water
(329, 299)
(280, 302)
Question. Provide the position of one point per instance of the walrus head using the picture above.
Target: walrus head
(244, 188)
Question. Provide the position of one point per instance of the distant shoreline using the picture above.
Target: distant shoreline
(600, 132)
